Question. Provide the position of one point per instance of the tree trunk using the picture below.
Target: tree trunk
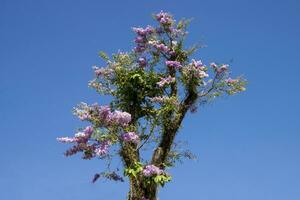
(140, 191)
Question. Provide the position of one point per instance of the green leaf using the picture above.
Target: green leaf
(103, 55)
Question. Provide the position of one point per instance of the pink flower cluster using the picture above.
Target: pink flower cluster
(164, 81)
(105, 72)
(175, 64)
(161, 47)
(82, 144)
(145, 36)
(102, 114)
(82, 147)
(196, 69)
(164, 18)
(150, 170)
(130, 137)
(176, 32)
(219, 69)
(119, 118)
(109, 118)
(142, 38)
(83, 111)
(143, 31)
(80, 137)
(102, 149)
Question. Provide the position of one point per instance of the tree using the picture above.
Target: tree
(152, 88)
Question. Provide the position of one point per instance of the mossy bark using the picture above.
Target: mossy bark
(139, 191)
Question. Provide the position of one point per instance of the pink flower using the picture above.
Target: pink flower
(174, 64)
(142, 62)
(197, 63)
(130, 137)
(151, 170)
(67, 139)
(103, 71)
(222, 68)
(120, 118)
(214, 65)
(139, 39)
(164, 81)
(88, 130)
(143, 31)
(162, 47)
(83, 111)
(164, 18)
(103, 148)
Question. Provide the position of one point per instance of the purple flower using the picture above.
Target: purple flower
(130, 137)
(213, 65)
(103, 148)
(105, 72)
(223, 68)
(151, 170)
(139, 39)
(120, 118)
(81, 147)
(159, 30)
(172, 53)
(73, 150)
(162, 47)
(82, 111)
(197, 63)
(176, 32)
(88, 130)
(164, 81)
(195, 69)
(142, 62)
(80, 137)
(80, 134)
(161, 99)
(67, 139)
(174, 64)
(220, 69)
(139, 48)
(165, 100)
(104, 113)
(107, 117)
(143, 31)
(164, 18)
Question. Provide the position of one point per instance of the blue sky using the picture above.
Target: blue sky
(247, 145)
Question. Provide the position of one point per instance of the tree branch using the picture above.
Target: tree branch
(161, 153)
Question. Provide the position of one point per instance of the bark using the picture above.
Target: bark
(161, 153)
(138, 190)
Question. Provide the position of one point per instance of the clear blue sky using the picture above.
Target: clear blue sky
(248, 145)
